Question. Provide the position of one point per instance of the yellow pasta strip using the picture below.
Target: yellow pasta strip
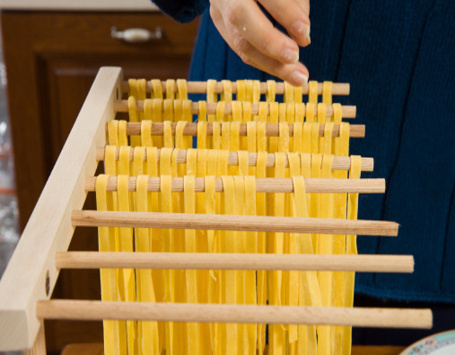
(126, 244)
(294, 248)
(288, 93)
(226, 136)
(327, 92)
(297, 146)
(283, 143)
(167, 135)
(306, 143)
(216, 137)
(249, 90)
(246, 117)
(133, 117)
(169, 275)
(202, 114)
(310, 112)
(132, 86)
(321, 120)
(226, 95)
(139, 161)
(213, 296)
(316, 162)
(240, 246)
(251, 136)
(298, 94)
(178, 111)
(314, 138)
(271, 91)
(168, 110)
(309, 294)
(170, 89)
(211, 97)
(141, 94)
(202, 135)
(220, 108)
(157, 89)
(235, 136)
(182, 89)
(112, 132)
(261, 137)
(273, 119)
(313, 92)
(328, 130)
(114, 340)
(157, 116)
(122, 136)
(146, 125)
(341, 148)
(179, 138)
(351, 247)
(149, 339)
(240, 96)
(192, 332)
(261, 172)
(230, 276)
(282, 112)
(188, 117)
(277, 341)
(256, 91)
(251, 247)
(325, 246)
(299, 112)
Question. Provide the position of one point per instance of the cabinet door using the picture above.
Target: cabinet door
(51, 60)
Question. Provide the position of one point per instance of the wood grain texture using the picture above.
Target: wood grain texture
(31, 273)
(232, 261)
(224, 313)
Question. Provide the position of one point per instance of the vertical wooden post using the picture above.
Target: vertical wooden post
(39, 347)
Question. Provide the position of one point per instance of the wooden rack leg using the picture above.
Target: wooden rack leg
(39, 347)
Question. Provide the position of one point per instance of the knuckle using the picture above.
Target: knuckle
(245, 58)
(240, 44)
(234, 12)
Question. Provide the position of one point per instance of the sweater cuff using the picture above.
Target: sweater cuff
(182, 10)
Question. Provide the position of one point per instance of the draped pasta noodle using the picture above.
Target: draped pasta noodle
(304, 154)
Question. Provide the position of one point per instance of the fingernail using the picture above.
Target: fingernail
(300, 29)
(307, 36)
(298, 78)
(290, 56)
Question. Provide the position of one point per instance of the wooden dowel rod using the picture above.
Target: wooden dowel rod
(219, 261)
(272, 130)
(232, 222)
(268, 185)
(347, 111)
(223, 313)
(339, 163)
(200, 87)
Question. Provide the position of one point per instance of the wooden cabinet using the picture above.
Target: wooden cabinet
(51, 60)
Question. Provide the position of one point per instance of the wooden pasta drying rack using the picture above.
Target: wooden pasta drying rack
(28, 282)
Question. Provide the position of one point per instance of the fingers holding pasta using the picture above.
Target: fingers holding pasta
(252, 36)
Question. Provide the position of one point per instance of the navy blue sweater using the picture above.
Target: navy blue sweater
(399, 57)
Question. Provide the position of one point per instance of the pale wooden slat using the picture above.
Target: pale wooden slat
(200, 87)
(231, 261)
(347, 111)
(268, 185)
(31, 274)
(339, 163)
(272, 130)
(233, 222)
(223, 313)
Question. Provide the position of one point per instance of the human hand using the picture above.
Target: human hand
(252, 36)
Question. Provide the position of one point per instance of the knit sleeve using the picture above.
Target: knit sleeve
(182, 10)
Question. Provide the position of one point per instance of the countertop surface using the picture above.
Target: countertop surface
(78, 5)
